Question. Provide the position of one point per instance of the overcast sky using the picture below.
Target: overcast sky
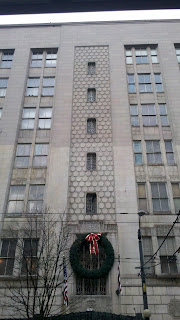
(90, 16)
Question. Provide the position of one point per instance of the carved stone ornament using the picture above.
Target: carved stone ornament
(174, 309)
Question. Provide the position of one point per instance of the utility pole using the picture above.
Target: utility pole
(146, 313)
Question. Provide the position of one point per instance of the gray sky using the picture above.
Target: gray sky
(90, 16)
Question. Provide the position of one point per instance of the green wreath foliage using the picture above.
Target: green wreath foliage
(96, 273)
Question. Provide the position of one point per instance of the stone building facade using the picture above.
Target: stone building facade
(89, 129)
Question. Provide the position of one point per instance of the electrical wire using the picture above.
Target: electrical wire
(177, 218)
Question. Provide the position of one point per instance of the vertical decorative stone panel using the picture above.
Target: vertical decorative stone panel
(82, 180)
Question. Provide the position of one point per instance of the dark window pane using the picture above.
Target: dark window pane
(162, 190)
(138, 158)
(156, 205)
(164, 265)
(164, 205)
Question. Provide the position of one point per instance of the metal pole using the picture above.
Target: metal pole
(143, 277)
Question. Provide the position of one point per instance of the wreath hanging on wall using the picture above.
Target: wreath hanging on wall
(75, 254)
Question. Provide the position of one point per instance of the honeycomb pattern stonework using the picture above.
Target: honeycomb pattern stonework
(101, 180)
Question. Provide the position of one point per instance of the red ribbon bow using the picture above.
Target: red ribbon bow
(93, 239)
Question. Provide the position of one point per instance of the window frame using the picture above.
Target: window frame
(154, 55)
(91, 262)
(142, 197)
(131, 83)
(91, 68)
(38, 60)
(3, 87)
(159, 197)
(23, 156)
(134, 115)
(178, 54)
(163, 114)
(42, 156)
(51, 52)
(165, 258)
(145, 85)
(94, 204)
(36, 201)
(50, 87)
(153, 153)
(158, 83)
(40, 118)
(31, 259)
(34, 87)
(6, 63)
(91, 95)
(148, 115)
(8, 257)
(136, 153)
(91, 161)
(90, 129)
(29, 120)
(168, 153)
(129, 57)
(16, 199)
(176, 196)
(140, 57)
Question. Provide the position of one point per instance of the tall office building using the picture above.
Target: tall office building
(89, 131)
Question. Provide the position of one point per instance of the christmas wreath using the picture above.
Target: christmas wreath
(75, 254)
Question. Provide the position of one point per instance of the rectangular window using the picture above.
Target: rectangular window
(32, 87)
(153, 152)
(7, 58)
(141, 56)
(28, 117)
(36, 59)
(149, 115)
(168, 261)
(91, 203)
(29, 259)
(22, 156)
(91, 125)
(158, 82)
(40, 155)
(91, 95)
(45, 115)
(163, 114)
(178, 54)
(144, 83)
(3, 86)
(142, 198)
(159, 197)
(7, 256)
(129, 59)
(91, 161)
(148, 252)
(131, 83)
(176, 196)
(89, 262)
(48, 86)
(169, 152)
(16, 199)
(134, 115)
(154, 57)
(51, 58)
(36, 194)
(137, 152)
(91, 68)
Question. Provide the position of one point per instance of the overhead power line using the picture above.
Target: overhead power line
(177, 218)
